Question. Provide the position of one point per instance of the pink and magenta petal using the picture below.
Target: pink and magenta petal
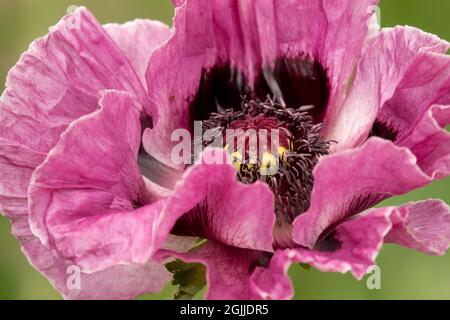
(422, 226)
(272, 282)
(352, 246)
(384, 66)
(137, 39)
(59, 79)
(357, 179)
(18, 163)
(55, 82)
(425, 83)
(90, 181)
(355, 243)
(430, 142)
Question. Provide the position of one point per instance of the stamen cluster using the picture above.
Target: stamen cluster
(301, 145)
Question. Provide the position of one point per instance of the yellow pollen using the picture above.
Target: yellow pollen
(236, 158)
(282, 151)
(269, 165)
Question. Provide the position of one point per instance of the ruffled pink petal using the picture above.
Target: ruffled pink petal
(273, 282)
(354, 244)
(137, 40)
(59, 79)
(422, 226)
(385, 65)
(17, 163)
(410, 112)
(55, 82)
(430, 142)
(118, 282)
(426, 82)
(83, 195)
(349, 182)
(249, 36)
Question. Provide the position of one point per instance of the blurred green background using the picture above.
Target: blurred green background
(405, 274)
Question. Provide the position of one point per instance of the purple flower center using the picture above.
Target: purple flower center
(300, 88)
(300, 146)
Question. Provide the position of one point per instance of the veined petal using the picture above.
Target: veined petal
(410, 113)
(89, 185)
(422, 226)
(55, 82)
(425, 83)
(137, 39)
(349, 182)
(17, 163)
(59, 79)
(352, 246)
(273, 282)
(430, 142)
(387, 60)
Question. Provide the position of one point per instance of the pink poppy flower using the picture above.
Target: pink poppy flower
(88, 114)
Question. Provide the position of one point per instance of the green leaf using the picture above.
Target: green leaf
(189, 277)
